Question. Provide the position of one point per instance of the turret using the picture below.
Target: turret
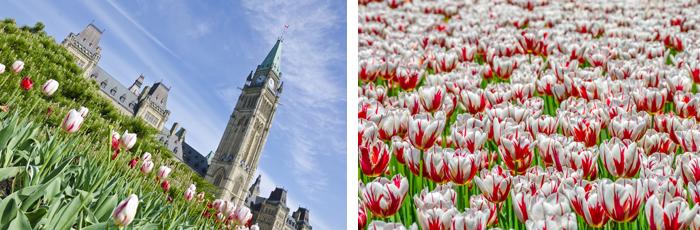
(136, 86)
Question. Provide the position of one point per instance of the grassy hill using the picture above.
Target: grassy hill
(52, 179)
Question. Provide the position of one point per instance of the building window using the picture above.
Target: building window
(113, 91)
(103, 84)
(151, 118)
(122, 98)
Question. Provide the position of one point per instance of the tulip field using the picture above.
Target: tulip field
(70, 160)
(529, 114)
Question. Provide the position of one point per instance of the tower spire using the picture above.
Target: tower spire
(272, 60)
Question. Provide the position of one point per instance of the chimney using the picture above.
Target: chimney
(181, 135)
(174, 128)
(134, 88)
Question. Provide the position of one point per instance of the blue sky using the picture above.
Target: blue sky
(205, 51)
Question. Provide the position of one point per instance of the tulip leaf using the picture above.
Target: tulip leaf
(98, 226)
(67, 214)
(21, 222)
(106, 207)
(8, 206)
(5, 135)
(9, 172)
(35, 217)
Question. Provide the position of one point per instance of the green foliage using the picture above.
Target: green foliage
(73, 172)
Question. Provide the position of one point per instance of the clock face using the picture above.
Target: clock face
(271, 84)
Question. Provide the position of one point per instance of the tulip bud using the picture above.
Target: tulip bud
(128, 140)
(200, 196)
(254, 227)
(2, 68)
(49, 87)
(71, 123)
(124, 213)
(115, 140)
(83, 111)
(165, 185)
(17, 66)
(133, 162)
(217, 204)
(189, 194)
(163, 172)
(146, 156)
(26, 83)
(146, 166)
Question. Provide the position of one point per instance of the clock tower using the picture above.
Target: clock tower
(236, 159)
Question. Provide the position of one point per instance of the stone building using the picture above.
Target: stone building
(236, 158)
(272, 213)
(146, 102)
(174, 140)
(149, 103)
(85, 47)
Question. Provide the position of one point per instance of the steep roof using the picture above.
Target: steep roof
(272, 60)
(114, 89)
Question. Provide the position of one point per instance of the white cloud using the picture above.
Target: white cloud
(141, 29)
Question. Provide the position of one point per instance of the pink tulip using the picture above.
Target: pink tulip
(125, 211)
(146, 156)
(374, 158)
(424, 129)
(431, 97)
(629, 125)
(473, 100)
(689, 139)
(17, 66)
(50, 87)
(71, 123)
(393, 123)
(462, 166)
(494, 184)
(83, 111)
(589, 205)
(189, 193)
(163, 172)
(621, 158)
(480, 203)
(650, 99)
(383, 197)
(366, 131)
(128, 140)
(669, 214)
(470, 219)
(622, 199)
(516, 150)
(2, 68)
(470, 139)
(361, 217)
(434, 164)
(146, 166)
(653, 142)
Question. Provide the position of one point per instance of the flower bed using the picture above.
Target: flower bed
(528, 114)
(63, 164)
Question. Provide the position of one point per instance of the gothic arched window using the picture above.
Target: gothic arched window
(219, 176)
